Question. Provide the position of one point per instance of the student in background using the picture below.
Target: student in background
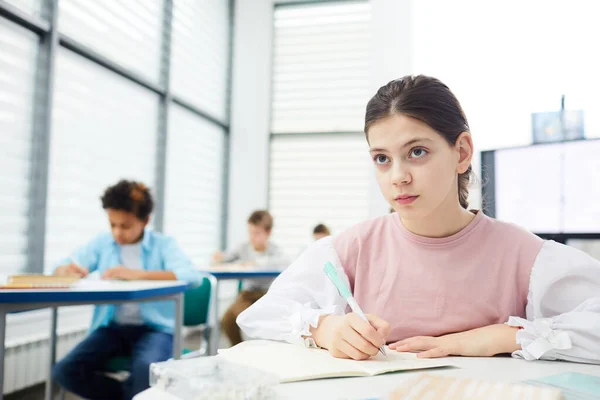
(142, 331)
(436, 277)
(257, 251)
(320, 231)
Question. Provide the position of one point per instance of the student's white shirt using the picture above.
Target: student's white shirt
(129, 313)
(560, 274)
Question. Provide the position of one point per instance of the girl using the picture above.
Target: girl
(438, 279)
(142, 331)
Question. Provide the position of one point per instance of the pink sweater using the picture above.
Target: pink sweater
(434, 286)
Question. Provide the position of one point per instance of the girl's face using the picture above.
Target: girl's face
(416, 169)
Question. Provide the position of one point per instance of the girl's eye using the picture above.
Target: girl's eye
(418, 153)
(381, 159)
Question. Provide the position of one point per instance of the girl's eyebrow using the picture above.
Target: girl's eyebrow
(409, 143)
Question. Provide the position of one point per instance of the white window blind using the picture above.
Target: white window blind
(17, 79)
(127, 32)
(194, 184)
(200, 49)
(317, 179)
(31, 7)
(103, 129)
(321, 75)
(321, 67)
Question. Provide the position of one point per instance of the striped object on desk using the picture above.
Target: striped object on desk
(574, 386)
(428, 386)
(38, 281)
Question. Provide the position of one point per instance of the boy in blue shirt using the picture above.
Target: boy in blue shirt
(142, 331)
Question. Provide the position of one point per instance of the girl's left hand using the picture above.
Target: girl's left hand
(481, 342)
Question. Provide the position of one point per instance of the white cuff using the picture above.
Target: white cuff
(305, 318)
(537, 338)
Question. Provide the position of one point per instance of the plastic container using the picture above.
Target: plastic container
(212, 378)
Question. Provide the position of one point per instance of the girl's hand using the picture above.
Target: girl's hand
(481, 342)
(350, 336)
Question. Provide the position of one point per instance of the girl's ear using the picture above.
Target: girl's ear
(464, 149)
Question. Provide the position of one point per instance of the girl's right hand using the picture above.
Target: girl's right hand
(349, 336)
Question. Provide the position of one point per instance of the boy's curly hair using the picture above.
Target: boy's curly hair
(129, 196)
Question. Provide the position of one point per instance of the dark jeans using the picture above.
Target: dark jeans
(81, 371)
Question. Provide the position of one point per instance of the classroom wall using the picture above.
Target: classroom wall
(505, 60)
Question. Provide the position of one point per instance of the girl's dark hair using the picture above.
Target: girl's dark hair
(129, 196)
(430, 101)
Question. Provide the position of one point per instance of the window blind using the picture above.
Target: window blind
(194, 182)
(200, 54)
(321, 67)
(317, 179)
(17, 80)
(127, 32)
(103, 129)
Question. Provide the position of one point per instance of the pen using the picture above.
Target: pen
(345, 293)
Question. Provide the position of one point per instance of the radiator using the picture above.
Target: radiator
(26, 364)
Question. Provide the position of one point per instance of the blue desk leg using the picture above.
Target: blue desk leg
(2, 337)
(178, 326)
(52, 355)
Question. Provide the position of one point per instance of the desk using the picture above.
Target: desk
(223, 273)
(488, 368)
(84, 293)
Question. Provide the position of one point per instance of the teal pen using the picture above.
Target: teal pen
(345, 293)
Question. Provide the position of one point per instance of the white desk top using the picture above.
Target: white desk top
(94, 290)
(99, 285)
(241, 268)
(494, 368)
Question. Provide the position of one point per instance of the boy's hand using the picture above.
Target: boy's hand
(481, 342)
(120, 272)
(349, 336)
(71, 270)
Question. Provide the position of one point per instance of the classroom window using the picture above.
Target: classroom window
(317, 179)
(200, 54)
(108, 66)
(194, 184)
(127, 32)
(321, 67)
(17, 84)
(319, 162)
(30, 7)
(103, 129)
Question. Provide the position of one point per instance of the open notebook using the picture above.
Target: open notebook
(293, 363)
